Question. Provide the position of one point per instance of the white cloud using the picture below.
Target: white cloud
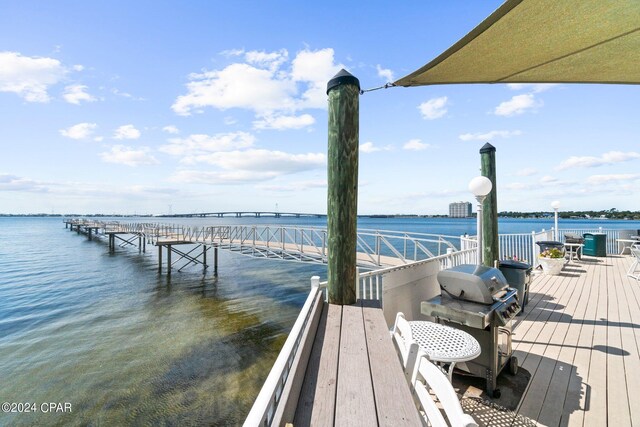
(262, 83)
(74, 94)
(126, 95)
(314, 68)
(284, 122)
(433, 108)
(534, 87)
(276, 162)
(126, 132)
(385, 73)
(128, 156)
(527, 172)
(548, 179)
(199, 144)
(415, 145)
(171, 129)
(79, 131)
(369, 147)
(604, 179)
(225, 177)
(609, 158)
(517, 186)
(17, 183)
(517, 105)
(29, 77)
(488, 136)
(295, 186)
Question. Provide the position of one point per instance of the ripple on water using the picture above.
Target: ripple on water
(127, 346)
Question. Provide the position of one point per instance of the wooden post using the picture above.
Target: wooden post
(342, 195)
(215, 260)
(168, 259)
(159, 258)
(204, 258)
(491, 250)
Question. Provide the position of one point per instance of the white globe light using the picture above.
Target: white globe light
(480, 186)
(555, 204)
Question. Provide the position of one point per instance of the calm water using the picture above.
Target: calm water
(127, 346)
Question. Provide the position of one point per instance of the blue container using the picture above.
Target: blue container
(595, 244)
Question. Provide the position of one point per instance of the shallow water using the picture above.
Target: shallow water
(124, 345)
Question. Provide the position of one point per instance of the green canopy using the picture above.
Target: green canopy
(544, 41)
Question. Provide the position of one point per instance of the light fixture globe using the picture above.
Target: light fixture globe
(480, 186)
(555, 204)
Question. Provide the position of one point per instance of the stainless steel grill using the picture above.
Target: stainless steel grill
(478, 300)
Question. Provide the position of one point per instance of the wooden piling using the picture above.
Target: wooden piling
(159, 258)
(168, 259)
(491, 250)
(342, 195)
(215, 260)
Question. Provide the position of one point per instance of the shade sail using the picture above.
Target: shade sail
(544, 41)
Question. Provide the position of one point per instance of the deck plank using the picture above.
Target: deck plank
(579, 390)
(597, 414)
(568, 405)
(394, 404)
(316, 405)
(354, 398)
(541, 360)
(558, 357)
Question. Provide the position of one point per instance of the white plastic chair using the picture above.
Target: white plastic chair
(428, 381)
(406, 347)
(634, 270)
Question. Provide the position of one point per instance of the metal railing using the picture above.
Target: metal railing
(307, 244)
(264, 407)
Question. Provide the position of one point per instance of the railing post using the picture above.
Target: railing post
(315, 281)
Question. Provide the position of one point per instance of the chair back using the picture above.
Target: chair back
(429, 382)
(406, 347)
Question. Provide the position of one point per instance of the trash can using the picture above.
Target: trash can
(549, 244)
(518, 275)
(595, 244)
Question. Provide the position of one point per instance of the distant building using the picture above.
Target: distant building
(459, 210)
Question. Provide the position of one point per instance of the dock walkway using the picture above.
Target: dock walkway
(580, 340)
(354, 377)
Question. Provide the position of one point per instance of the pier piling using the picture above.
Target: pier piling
(342, 195)
(490, 207)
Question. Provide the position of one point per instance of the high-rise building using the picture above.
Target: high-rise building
(459, 210)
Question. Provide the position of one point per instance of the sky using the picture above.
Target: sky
(155, 107)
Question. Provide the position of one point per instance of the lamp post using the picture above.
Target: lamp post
(480, 186)
(555, 205)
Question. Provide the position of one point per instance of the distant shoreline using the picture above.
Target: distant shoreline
(581, 215)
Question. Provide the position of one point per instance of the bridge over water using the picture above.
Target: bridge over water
(240, 214)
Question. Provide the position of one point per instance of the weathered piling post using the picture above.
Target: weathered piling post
(168, 259)
(491, 249)
(159, 258)
(342, 195)
(215, 260)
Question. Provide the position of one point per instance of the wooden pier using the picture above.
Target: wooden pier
(293, 243)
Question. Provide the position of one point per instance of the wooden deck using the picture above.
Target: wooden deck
(354, 376)
(580, 340)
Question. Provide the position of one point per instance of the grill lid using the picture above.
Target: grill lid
(475, 283)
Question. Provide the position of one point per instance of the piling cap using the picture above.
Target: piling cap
(487, 148)
(342, 78)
